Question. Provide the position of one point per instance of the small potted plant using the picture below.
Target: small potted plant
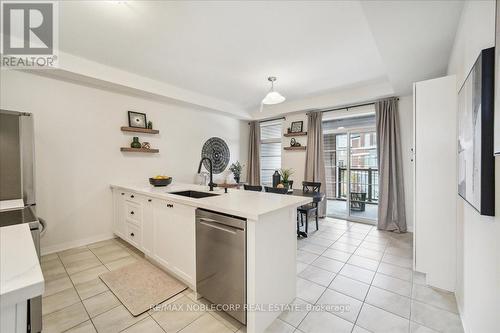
(236, 168)
(285, 177)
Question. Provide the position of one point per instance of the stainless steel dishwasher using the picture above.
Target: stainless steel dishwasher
(221, 261)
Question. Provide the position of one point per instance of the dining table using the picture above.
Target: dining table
(316, 198)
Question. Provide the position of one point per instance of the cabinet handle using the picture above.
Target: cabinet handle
(132, 213)
(170, 205)
(132, 234)
(149, 200)
(123, 193)
(132, 196)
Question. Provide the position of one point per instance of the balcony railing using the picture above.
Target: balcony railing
(364, 184)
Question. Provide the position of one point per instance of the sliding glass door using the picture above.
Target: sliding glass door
(351, 170)
(363, 175)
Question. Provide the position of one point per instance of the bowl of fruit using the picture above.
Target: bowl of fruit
(160, 180)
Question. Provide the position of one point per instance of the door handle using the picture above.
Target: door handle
(214, 224)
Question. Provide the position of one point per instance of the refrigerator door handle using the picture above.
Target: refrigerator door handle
(43, 226)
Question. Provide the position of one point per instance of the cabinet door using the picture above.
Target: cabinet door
(118, 212)
(147, 226)
(174, 238)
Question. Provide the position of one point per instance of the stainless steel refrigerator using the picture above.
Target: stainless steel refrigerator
(17, 188)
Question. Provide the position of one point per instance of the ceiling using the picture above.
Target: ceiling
(226, 50)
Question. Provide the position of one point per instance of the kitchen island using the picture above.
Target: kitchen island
(162, 225)
(20, 277)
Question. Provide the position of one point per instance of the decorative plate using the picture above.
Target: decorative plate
(217, 150)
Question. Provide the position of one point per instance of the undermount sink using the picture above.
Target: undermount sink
(194, 194)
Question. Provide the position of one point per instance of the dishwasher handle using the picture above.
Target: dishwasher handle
(217, 225)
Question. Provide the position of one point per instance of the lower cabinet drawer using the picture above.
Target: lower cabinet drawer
(133, 211)
(133, 235)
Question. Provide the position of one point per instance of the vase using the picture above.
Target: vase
(135, 143)
(276, 178)
(237, 179)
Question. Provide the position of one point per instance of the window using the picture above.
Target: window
(270, 150)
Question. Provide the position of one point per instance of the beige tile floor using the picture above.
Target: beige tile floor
(359, 278)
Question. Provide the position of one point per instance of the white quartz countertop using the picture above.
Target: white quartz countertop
(247, 204)
(21, 276)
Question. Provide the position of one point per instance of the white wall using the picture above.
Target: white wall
(78, 140)
(295, 159)
(478, 258)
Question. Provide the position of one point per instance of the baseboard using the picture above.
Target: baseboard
(461, 314)
(76, 243)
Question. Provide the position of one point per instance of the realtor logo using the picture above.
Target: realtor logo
(29, 34)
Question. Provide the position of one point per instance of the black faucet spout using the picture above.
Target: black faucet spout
(211, 184)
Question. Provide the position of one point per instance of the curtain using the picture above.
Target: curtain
(253, 169)
(391, 207)
(315, 161)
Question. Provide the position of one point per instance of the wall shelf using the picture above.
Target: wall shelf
(295, 148)
(139, 130)
(295, 134)
(139, 150)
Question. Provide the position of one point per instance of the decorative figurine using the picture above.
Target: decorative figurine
(135, 142)
(294, 143)
(150, 124)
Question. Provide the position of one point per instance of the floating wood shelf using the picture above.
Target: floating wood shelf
(295, 134)
(139, 150)
(295, 148)
(139, 130)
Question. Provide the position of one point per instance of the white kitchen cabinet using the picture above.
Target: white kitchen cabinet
(163, 230)
(174, 239)
(118, 212)
(133, 219)
(147, 226)
(435, 182)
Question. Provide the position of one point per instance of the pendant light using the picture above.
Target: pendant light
(273, 97)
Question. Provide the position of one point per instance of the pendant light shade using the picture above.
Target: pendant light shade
(273, 97)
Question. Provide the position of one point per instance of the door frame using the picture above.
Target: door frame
(348, 132)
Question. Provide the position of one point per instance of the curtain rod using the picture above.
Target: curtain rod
(346, 107)
(270, 119)
(329, 109)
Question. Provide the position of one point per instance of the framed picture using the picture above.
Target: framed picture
(497, 82)
(476, 163)
(137, 119)
(296, 126)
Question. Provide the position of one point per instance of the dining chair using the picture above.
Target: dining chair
(279, 190)
(306, 210)
(256, 188)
